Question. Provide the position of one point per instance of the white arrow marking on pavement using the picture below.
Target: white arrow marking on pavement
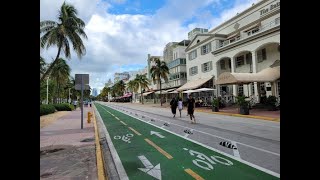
(156, 133)
(153, 171)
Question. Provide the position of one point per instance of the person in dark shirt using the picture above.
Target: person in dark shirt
(174, 104)
(191, 106)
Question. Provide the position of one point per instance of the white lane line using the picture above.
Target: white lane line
(219, 137)
(236, 151)
(122, 173)
(216, 150)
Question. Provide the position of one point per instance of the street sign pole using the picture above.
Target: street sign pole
(81, 102)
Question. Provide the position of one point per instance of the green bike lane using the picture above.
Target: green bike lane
(164, 155)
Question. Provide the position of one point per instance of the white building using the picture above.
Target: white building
(245, 48)
(121, 76)
(192, 34)
(177, 66)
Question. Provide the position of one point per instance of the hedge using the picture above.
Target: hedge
(63, 107)
(46, 109)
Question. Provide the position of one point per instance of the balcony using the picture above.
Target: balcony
(261, 29)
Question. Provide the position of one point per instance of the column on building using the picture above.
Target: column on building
(233, 70)
(254, 70)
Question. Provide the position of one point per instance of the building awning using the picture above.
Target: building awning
(194, 84)
(146, 93)
(164, 91)
(266, 75)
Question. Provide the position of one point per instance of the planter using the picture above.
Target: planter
(215, 109)
(271, 108)
(244, 110)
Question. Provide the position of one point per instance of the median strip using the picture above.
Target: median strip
(159, 149)
(193, 174)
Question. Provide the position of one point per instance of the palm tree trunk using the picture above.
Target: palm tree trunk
(160, 92)
(141, 97)
(51, 66)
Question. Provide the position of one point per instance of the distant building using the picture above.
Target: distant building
(196, 31)
(94, 92)
(121, 76)
(109, 83)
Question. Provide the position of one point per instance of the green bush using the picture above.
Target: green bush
(46, 109)
(63, 107)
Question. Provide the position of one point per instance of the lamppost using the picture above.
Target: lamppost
(47, 89)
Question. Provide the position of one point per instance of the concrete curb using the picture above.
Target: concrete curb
(100, 166)
(110, 168)
(240, 115)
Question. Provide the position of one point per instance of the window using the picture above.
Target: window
(252, 31)
(262, 55)
(240, 90)
(205, 49)
(277, 21)
(193, 54)
(206, 66)
(222, 64)
(239, 61)
(193, 70)
(248, 58)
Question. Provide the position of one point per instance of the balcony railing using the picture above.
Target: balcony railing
(261, 29)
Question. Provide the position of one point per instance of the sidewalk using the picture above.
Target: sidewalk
(66, 150)
(229, 111)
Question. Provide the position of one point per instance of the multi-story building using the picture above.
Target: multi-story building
(121, 76)
(109, 83)
(177, 66)
(242, 55)
(196, 31)
(94, 92)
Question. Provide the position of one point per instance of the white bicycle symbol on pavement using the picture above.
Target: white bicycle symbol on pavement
(212, 160)
(125, 138)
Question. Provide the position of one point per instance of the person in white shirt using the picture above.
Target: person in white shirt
(180, 106)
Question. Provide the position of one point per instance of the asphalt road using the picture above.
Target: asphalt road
(253, 154)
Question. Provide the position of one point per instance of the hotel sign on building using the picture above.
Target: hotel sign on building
(270, 8)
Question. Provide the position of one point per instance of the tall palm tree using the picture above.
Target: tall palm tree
(133, 86)
(158, 71)
(69, 28)
(42, 66)
(60, 72)
(121, 87)
(143, 83)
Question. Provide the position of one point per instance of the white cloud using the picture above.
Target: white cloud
(124, 39)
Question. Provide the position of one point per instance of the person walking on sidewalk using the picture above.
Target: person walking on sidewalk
(75, 104)
(174, 104)
(180, 105)
(191, 106)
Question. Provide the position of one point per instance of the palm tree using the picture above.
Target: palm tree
(158, 71)
(121, 87)
(42, 66)
(143, 83)
(133, 86)
(60, 72)
(68, 28)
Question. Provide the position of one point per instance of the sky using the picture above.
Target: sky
(121, 33)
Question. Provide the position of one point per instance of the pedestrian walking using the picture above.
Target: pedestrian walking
(191, 106)
(75, 104)
(174, 104)
(180, 106)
